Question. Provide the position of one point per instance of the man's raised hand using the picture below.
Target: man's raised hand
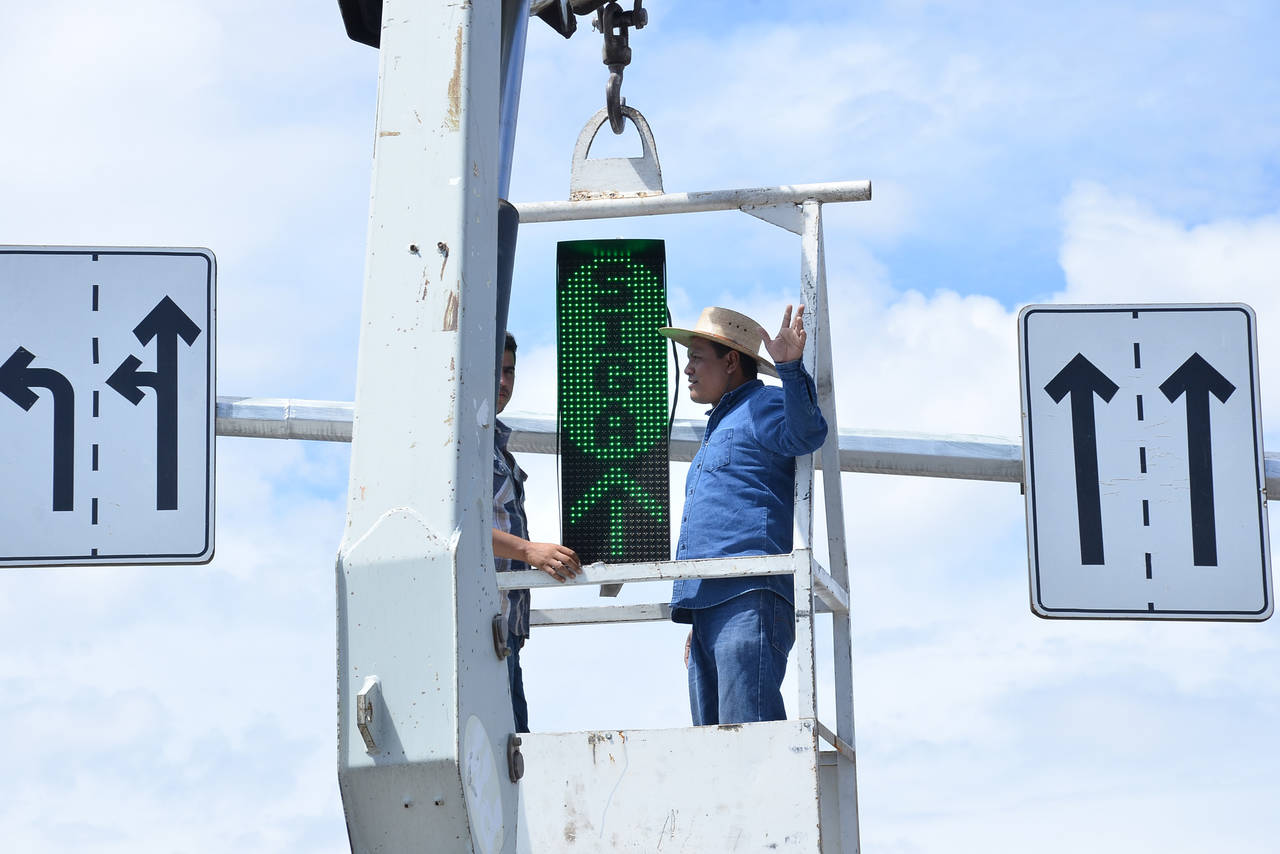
(788, 345)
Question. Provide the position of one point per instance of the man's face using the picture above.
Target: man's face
(709, 374)
(507, 379)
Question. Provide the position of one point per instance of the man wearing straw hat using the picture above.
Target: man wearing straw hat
(739, 497)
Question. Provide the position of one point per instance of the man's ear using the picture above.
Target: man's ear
(732, 362)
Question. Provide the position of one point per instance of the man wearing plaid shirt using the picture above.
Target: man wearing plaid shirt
(512, 550)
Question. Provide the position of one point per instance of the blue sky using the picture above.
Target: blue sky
(1077, 152)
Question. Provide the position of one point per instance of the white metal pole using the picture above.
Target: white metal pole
(805, 672)
(838, 565)
(422, 747)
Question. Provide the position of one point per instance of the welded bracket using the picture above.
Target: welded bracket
(615, 177)
(500, 647)
(786, 215)
(369, 713)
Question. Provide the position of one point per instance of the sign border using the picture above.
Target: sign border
(206, 553)
(1028, 456)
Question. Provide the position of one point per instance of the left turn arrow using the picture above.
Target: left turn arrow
(17, 379)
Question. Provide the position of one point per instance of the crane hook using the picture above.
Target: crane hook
(613, 23)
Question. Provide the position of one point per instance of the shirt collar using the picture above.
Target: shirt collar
(731, 398)
(501, 433)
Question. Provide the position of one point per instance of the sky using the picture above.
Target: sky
(1020, 153)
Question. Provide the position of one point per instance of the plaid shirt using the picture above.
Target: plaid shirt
(508, 515)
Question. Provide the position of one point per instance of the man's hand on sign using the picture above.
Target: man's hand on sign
(559, 562)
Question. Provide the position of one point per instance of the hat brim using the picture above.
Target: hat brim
(684, 336)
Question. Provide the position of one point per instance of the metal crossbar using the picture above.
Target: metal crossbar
(989, 458)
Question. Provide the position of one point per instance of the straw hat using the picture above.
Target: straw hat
(733, 330)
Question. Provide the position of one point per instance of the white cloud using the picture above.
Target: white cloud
(1117, 249)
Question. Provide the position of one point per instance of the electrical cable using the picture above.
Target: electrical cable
(676, 395)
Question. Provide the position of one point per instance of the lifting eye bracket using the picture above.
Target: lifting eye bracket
(614, 23)
(500, 647)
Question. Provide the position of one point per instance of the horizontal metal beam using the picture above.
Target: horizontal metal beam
(284, 418)
(710, 200)
(591, 615)
(877, 452)
(656, 570)
(975, 458)
(649, 612)
(831, 597)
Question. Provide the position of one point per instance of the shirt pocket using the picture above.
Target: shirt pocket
(719, 449)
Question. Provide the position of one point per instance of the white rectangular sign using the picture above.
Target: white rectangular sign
(1142, 452)
(106, 405)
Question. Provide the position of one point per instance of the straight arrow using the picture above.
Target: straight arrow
(166, 323)
(1197, 379)
(17, 379)
(1081, 379)
(618, 484)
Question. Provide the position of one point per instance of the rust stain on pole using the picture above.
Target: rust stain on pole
(453, 115)
(451, 313)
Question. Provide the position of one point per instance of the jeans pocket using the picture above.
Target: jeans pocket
(783, 636)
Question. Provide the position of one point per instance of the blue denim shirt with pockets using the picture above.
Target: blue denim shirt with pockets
(740, 490)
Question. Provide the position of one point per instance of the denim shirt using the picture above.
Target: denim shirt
(509, 516)
(740, 491)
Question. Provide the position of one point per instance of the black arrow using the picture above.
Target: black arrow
(17, 379)
(1082, 380)
(1197, 379)
(166, 323)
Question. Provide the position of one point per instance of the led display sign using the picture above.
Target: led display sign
(610, 301)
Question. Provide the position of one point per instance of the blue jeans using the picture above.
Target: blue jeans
(519, 707)
(738, 658)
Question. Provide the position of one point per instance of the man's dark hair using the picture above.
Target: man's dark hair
(510, 346)
(748, 362)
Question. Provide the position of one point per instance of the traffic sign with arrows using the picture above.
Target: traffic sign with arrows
(1143, 499)
(107, 446)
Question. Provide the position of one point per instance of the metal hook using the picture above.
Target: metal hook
(613, 23)
(614, 102)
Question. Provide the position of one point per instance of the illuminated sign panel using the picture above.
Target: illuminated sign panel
(610, 301)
